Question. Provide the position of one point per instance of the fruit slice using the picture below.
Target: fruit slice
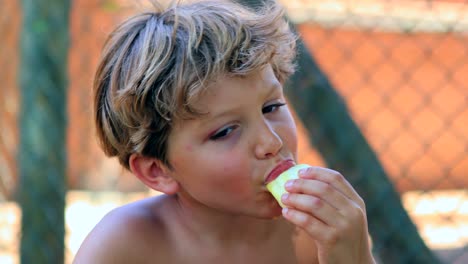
(276, 187)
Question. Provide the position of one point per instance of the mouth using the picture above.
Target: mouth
(282, 166)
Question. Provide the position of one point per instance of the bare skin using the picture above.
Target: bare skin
(216, 208)
(152, 231)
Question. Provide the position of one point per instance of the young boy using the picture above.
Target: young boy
(190, 100)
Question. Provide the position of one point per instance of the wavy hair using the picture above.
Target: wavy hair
(156, 63)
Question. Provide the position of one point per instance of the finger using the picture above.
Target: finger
(320, 189)
(333, 178)
(314, 206)
(313, 226)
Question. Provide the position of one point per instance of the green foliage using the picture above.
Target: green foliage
(42, 153)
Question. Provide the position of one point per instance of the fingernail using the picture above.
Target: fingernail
(285, 211)
(284, 197)
(289, 184)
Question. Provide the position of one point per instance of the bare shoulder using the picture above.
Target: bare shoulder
(134, 233)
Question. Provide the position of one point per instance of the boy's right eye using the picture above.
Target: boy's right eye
(223, 133)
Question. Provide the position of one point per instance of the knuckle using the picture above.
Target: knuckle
(337, 177)
(306, 222)
(316, 203)
(361, 203)
(327, 188)
(345, 226)
(358, 215)
(322, 188)
(292, 198)
(299, 218)
(332, 237)
(302, 220)
(320, 192)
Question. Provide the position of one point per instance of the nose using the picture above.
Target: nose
(268, 142)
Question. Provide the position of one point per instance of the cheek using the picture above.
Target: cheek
(235, 173)
(189, 148)
(184, 155)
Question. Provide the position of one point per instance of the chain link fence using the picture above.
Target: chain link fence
(401, 67)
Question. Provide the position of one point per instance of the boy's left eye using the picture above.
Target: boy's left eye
(271, 108)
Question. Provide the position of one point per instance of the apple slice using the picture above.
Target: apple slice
(276, 187)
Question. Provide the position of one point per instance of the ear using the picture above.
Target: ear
(153, 173)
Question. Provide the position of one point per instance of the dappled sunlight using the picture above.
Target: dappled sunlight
(81, 217)
(440, 236)
(7, 259)
(9, 232)
(85, 209)
(441, 217)
(437, 202)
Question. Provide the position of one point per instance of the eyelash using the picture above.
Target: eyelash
(226, 131)
(272, 107)
(223, 133)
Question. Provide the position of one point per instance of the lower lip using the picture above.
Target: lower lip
(278, 170)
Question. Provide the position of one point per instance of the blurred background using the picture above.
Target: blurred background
(399, 67)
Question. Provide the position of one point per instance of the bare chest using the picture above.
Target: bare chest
(275, 251)
(205, 255)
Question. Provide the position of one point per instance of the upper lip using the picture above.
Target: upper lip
(278, 169)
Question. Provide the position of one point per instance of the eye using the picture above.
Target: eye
(271, 108)
(223, 133)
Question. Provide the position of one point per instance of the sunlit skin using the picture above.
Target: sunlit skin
(216, 208)
(221, 160)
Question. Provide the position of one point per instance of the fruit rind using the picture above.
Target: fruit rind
(276, 187)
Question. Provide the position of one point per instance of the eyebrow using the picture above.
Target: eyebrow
(205, 118)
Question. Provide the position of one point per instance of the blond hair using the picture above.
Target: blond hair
(155, 63)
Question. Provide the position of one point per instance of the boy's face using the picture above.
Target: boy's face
(221, 159)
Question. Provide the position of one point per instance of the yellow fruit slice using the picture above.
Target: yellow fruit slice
(276, 187)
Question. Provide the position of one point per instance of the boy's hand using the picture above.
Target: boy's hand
(327, 207)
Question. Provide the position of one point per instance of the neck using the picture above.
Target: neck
(220, 227)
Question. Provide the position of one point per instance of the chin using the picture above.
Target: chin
(276, 215)
(277, 211)
(271, 211)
